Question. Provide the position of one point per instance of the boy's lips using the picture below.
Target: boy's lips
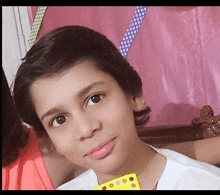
(102, 150)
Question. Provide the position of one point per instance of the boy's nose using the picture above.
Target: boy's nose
(86, 125)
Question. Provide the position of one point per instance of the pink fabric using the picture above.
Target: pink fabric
(176, 53)
(32, 11)
(106, 20)
(28, 171)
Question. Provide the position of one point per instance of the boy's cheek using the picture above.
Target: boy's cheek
(77, 160)
(71, 154)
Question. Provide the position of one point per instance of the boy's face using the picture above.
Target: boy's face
(87, 116)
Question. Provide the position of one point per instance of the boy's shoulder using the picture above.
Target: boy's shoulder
(84, 181)
(182, 173)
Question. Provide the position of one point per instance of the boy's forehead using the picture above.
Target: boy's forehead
(56, 75)
(62, 71)
(79, 75)
(70, 86)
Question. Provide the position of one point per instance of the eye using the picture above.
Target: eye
(58, 121)
(93, 100)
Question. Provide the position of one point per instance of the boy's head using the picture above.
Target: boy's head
(60, 50)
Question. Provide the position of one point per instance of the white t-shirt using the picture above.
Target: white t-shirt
(180, 173)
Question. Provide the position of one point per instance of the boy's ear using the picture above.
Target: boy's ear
(137, 103)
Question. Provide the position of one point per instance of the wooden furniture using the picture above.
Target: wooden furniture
(205, 126)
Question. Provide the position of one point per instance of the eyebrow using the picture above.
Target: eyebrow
(81, 93)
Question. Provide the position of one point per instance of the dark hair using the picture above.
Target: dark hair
(14, 137)
(63, 47)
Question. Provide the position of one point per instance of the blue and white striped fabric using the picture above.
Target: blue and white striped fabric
(132, 30)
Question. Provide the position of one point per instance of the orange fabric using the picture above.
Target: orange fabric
(28, 171)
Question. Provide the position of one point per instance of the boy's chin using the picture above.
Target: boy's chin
(111, 166)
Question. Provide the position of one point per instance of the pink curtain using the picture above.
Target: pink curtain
(176, 52)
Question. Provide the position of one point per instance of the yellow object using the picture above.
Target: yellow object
(126, 182)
